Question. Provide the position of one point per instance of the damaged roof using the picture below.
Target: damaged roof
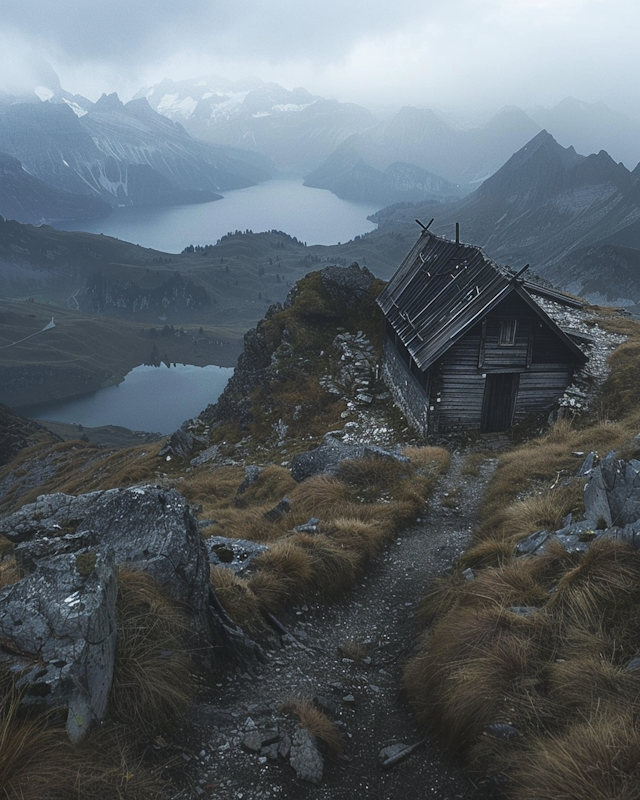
(443, 288)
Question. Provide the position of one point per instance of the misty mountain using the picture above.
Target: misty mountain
(124, 154)
(423, 138)
(26, 198)
(348, 176)
(544, 206)
(45, 86)
(296, 129)
(591, 127)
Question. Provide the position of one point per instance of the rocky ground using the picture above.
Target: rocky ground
(348, 659)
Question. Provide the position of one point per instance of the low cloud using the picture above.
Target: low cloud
(442, 52)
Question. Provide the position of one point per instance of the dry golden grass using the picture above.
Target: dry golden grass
(372, 476)
(606, 580)
(270, 487)
(238, 600)
(514, 584)
(479, 667)
(153, 675)
(334, 568)
(9, 572)
(284, 574)
(249, 523)
(619, 396)
(28, 744)
(320, 496)
(428, 461)
(317, 723)
(38, 762)
(544, 510)
(367, 503)
(491, 551)
(538, 463)
(594, 759)
(580, 683)
(213, 489)
(355, 534)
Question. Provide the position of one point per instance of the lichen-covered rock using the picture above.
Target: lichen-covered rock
(613, 492)
(180, 444)
(58, 632)
(347, 285)
(305, 758)
(326, 458)
(63, 612)
(234, 554)
(146, 528)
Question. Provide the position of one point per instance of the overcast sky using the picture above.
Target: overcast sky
(449, 54)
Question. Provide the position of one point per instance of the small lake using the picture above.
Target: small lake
(315, 216)
(155, 399)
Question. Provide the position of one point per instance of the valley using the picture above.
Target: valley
(381, 557)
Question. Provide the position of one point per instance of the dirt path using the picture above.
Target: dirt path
(362, 695)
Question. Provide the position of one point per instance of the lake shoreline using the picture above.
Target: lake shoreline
(314, 216)
(150, 399)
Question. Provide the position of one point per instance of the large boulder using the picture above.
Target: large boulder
(58, 632)
(327, 457)
(58, 623)
(612, 495)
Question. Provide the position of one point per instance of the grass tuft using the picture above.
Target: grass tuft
(317, 723)
(153, 677)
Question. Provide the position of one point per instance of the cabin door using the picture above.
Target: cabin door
(499, 401)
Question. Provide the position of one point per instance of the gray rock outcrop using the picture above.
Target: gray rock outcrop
(326, 458)
(305, 758)
(347, 285)
(234, 554)
(61, 616)
(58, 632)
(612, 510)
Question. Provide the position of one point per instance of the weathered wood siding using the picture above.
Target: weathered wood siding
(540, 388)
(454, 386)
(458, 386)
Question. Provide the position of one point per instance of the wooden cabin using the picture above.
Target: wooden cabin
(467, 347)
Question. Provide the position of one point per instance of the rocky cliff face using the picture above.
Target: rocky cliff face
(18, 433)
(26, 198)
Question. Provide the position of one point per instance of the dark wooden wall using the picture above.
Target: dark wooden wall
(454, 386)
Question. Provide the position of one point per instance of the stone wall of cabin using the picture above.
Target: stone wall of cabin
(405, 389)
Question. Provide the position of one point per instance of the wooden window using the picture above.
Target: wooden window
(507, 336)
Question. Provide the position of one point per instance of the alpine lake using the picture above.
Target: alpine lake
(160, 399)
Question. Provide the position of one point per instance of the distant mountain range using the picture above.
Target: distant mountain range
(122, 154)
(348, 175)
(555, 209)
(296, 129)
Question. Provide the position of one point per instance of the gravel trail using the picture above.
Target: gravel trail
(361, 694)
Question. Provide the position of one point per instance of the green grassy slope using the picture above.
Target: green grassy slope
(83, 353)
